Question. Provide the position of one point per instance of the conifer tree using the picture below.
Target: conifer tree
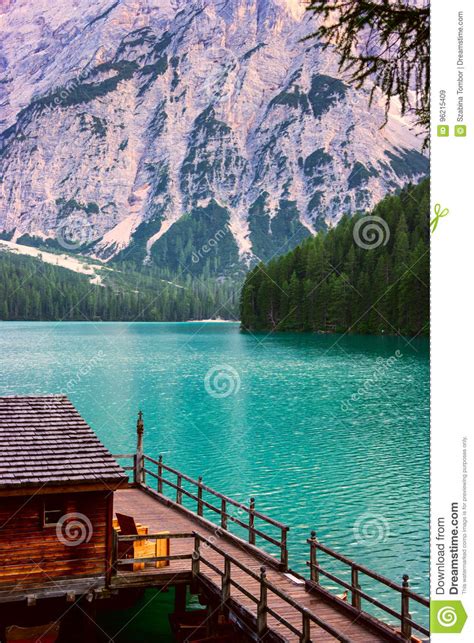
(383, 43)
(330, 282)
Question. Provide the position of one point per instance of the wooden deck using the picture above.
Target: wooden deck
(227, 551)
(153, 510)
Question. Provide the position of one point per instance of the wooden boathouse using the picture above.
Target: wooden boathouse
(79, 531)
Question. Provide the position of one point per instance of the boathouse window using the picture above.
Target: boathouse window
(53, 510)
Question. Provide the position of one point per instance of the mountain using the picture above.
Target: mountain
(196, 135)
(369, 274)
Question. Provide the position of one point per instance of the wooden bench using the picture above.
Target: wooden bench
(126, 526)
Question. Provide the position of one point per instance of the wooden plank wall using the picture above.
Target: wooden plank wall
(31, 554)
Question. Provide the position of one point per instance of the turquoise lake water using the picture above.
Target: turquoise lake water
(291, 419)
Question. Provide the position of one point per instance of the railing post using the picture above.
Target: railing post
(355, 587)
(313, 558)
(252, 521)
(262, 604)
(405, 626)
(160, 474)
(179, 493)
(284, 548)
(138, 472)
(196, 556)
(226, 581)
(223, 513)
(138, 464)
(306, 631)
(199, 507)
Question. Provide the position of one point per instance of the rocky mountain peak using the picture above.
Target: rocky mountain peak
(146, 129)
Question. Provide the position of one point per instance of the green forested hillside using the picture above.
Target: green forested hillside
(33, 290)
(331, 282)
(328, 283)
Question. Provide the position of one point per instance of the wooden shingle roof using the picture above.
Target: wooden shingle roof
(44, 441)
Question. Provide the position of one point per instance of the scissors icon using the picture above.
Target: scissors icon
(439, 214)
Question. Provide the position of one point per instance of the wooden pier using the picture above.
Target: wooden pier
(76, 529)
(254, 587)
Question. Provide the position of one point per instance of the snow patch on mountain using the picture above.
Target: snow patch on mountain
(62, 260)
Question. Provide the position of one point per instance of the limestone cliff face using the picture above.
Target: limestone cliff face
(154, 126)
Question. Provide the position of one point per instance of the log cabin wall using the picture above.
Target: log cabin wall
(33, 554)
(50, 455)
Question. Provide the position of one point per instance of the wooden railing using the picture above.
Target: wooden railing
(223, 508)
(229, 511)
(357, 594)
(259, 597)
(126, 456)
(148, 559)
